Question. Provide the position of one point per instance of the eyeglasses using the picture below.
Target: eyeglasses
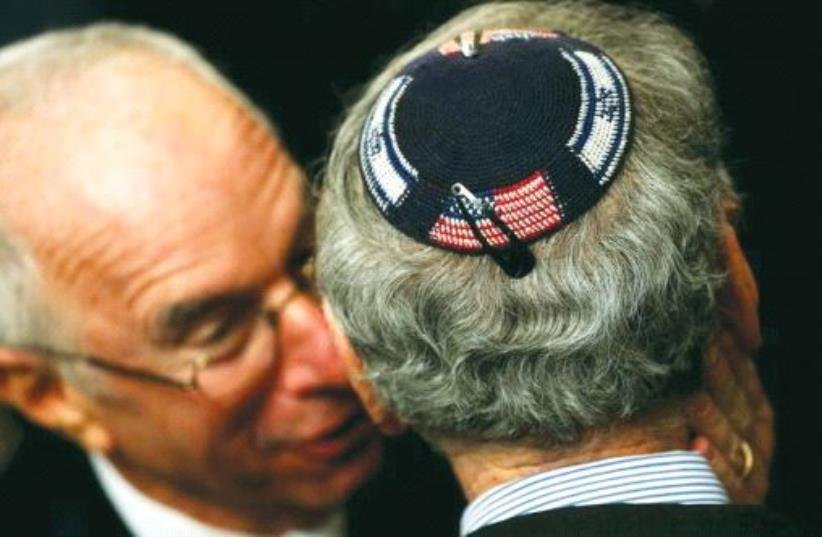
(189, 377)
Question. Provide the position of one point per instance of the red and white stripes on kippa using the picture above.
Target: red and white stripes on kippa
(495, 140)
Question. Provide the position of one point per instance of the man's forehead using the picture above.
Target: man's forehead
(156, 165)
(144, 108)
(131, 136)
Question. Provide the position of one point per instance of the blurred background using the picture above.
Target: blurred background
(301, 61)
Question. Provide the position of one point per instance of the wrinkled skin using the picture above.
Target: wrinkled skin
(146, 191)
(733, 406)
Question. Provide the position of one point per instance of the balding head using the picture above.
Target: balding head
(154, 212)
(65, 155)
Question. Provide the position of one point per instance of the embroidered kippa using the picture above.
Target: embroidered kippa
(495, 140)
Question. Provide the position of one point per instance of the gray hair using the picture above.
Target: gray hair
(21, 313)
(619, 309)
(31, 71)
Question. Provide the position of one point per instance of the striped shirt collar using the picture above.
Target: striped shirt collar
(682, 477)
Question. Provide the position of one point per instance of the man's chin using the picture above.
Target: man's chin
(350, 476)
(315, 483)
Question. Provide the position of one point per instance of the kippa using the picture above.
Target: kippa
(495, 140)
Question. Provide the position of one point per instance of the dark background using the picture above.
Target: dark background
(300, 60)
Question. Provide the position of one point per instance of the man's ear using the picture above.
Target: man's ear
(388, 422)
(28, 384)
(739, 297)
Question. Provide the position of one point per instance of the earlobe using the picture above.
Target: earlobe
(38, 393)
(388, 422)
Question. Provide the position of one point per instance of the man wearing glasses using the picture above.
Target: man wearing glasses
(153, 236)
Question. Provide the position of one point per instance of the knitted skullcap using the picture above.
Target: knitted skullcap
(490, 143)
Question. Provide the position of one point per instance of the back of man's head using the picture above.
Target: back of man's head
(620, 305)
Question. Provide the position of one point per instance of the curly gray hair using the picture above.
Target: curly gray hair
(620, 306)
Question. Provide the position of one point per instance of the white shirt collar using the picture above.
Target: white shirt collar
(683, 477)
(146, 517)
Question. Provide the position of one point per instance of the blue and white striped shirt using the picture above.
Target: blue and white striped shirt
(683, 477)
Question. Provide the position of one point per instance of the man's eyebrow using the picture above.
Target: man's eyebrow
(175, 322)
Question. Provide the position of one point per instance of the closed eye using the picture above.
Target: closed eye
(207, 322)
(216, 331)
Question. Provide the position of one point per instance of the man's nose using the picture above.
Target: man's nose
(307, 359)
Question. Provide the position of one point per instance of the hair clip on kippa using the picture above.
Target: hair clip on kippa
(495, 140)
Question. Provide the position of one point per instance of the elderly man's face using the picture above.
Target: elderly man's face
(169, 220)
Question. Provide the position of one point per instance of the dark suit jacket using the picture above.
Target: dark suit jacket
(50, 490)
(647, 521)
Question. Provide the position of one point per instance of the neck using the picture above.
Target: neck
(481, 466)
(221, 512)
